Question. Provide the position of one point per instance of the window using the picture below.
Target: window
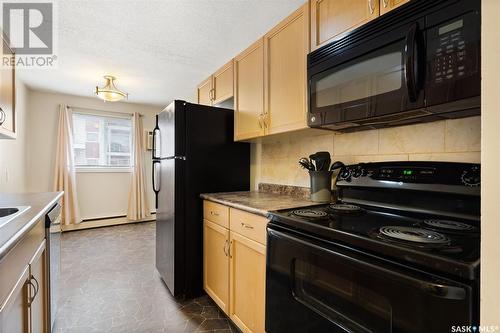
(102, 141)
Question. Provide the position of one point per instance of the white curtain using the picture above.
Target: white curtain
(138, 207)
(64, 172)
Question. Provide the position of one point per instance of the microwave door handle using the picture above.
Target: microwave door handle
(410, 73)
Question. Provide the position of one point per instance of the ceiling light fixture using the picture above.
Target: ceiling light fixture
(109, 93)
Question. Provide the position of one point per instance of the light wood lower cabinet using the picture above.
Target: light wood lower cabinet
(234, 267)
(247, 283)
(216, 263)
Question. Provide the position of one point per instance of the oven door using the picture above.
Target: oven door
(312, 288)
(378, 77)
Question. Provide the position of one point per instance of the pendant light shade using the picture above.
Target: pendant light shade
(109, 92)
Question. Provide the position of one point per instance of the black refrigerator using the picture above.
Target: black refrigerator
(193, 153)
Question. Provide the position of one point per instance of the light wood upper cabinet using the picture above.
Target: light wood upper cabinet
(330, 18)
(204, 92)
(7, 99)
(218, 87)
(247, 283)
(249, 92)
(388, 5)
(223, 83)
(285, 85)
(216, 263)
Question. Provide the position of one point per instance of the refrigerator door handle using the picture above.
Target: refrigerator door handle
(183, 158)
(156, 179)
(156, 143)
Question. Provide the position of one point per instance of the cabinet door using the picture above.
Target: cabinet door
(388, 5)
(285, 52)
(205, 92)
(7, 98)
(285, 84)
(216, 263)
(38, 294)
(249, 92)
(330, 18)
(247, 283)
(223, 83)
(14, 315)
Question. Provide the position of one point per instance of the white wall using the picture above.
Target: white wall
(99, 194)
(13, 152)
(490, 162)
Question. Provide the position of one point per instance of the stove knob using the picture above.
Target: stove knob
(471, 177)
(358, 172)
(345, 174)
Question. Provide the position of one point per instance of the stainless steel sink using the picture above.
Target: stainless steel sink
(7, 214)
(8, 211)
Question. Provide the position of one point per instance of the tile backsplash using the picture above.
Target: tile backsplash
(456, 140)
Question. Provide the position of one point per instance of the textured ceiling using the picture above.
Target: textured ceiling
(159, 50)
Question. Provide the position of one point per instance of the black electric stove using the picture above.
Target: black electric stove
(400, 247)
(446, 244)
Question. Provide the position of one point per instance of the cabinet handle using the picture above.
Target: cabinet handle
(260, 121)
(35, 287)
(226, 247)
(214, 213)
(265, 117)
(371, 6)
(386, 3)
(229, 249)
(247, 226)
(2, 116)
(212, 94)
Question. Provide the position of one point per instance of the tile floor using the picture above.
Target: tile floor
(110, 284)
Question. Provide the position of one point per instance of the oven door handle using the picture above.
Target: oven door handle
(411, 48)
(433, 288)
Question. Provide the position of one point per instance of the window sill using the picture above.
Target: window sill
(103, 170)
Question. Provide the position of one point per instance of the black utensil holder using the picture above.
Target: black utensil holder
(321, 186)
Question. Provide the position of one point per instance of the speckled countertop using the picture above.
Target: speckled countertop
(14, 230)
(258, 202)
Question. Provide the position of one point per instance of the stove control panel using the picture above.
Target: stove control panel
(429, 173)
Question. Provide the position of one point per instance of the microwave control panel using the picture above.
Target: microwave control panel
(453, 50)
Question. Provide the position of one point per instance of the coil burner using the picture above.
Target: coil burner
(345, 208)
(415, 235)
(309, 213)
(449, 225)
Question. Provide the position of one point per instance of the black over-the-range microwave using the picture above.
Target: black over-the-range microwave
(420, 62)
